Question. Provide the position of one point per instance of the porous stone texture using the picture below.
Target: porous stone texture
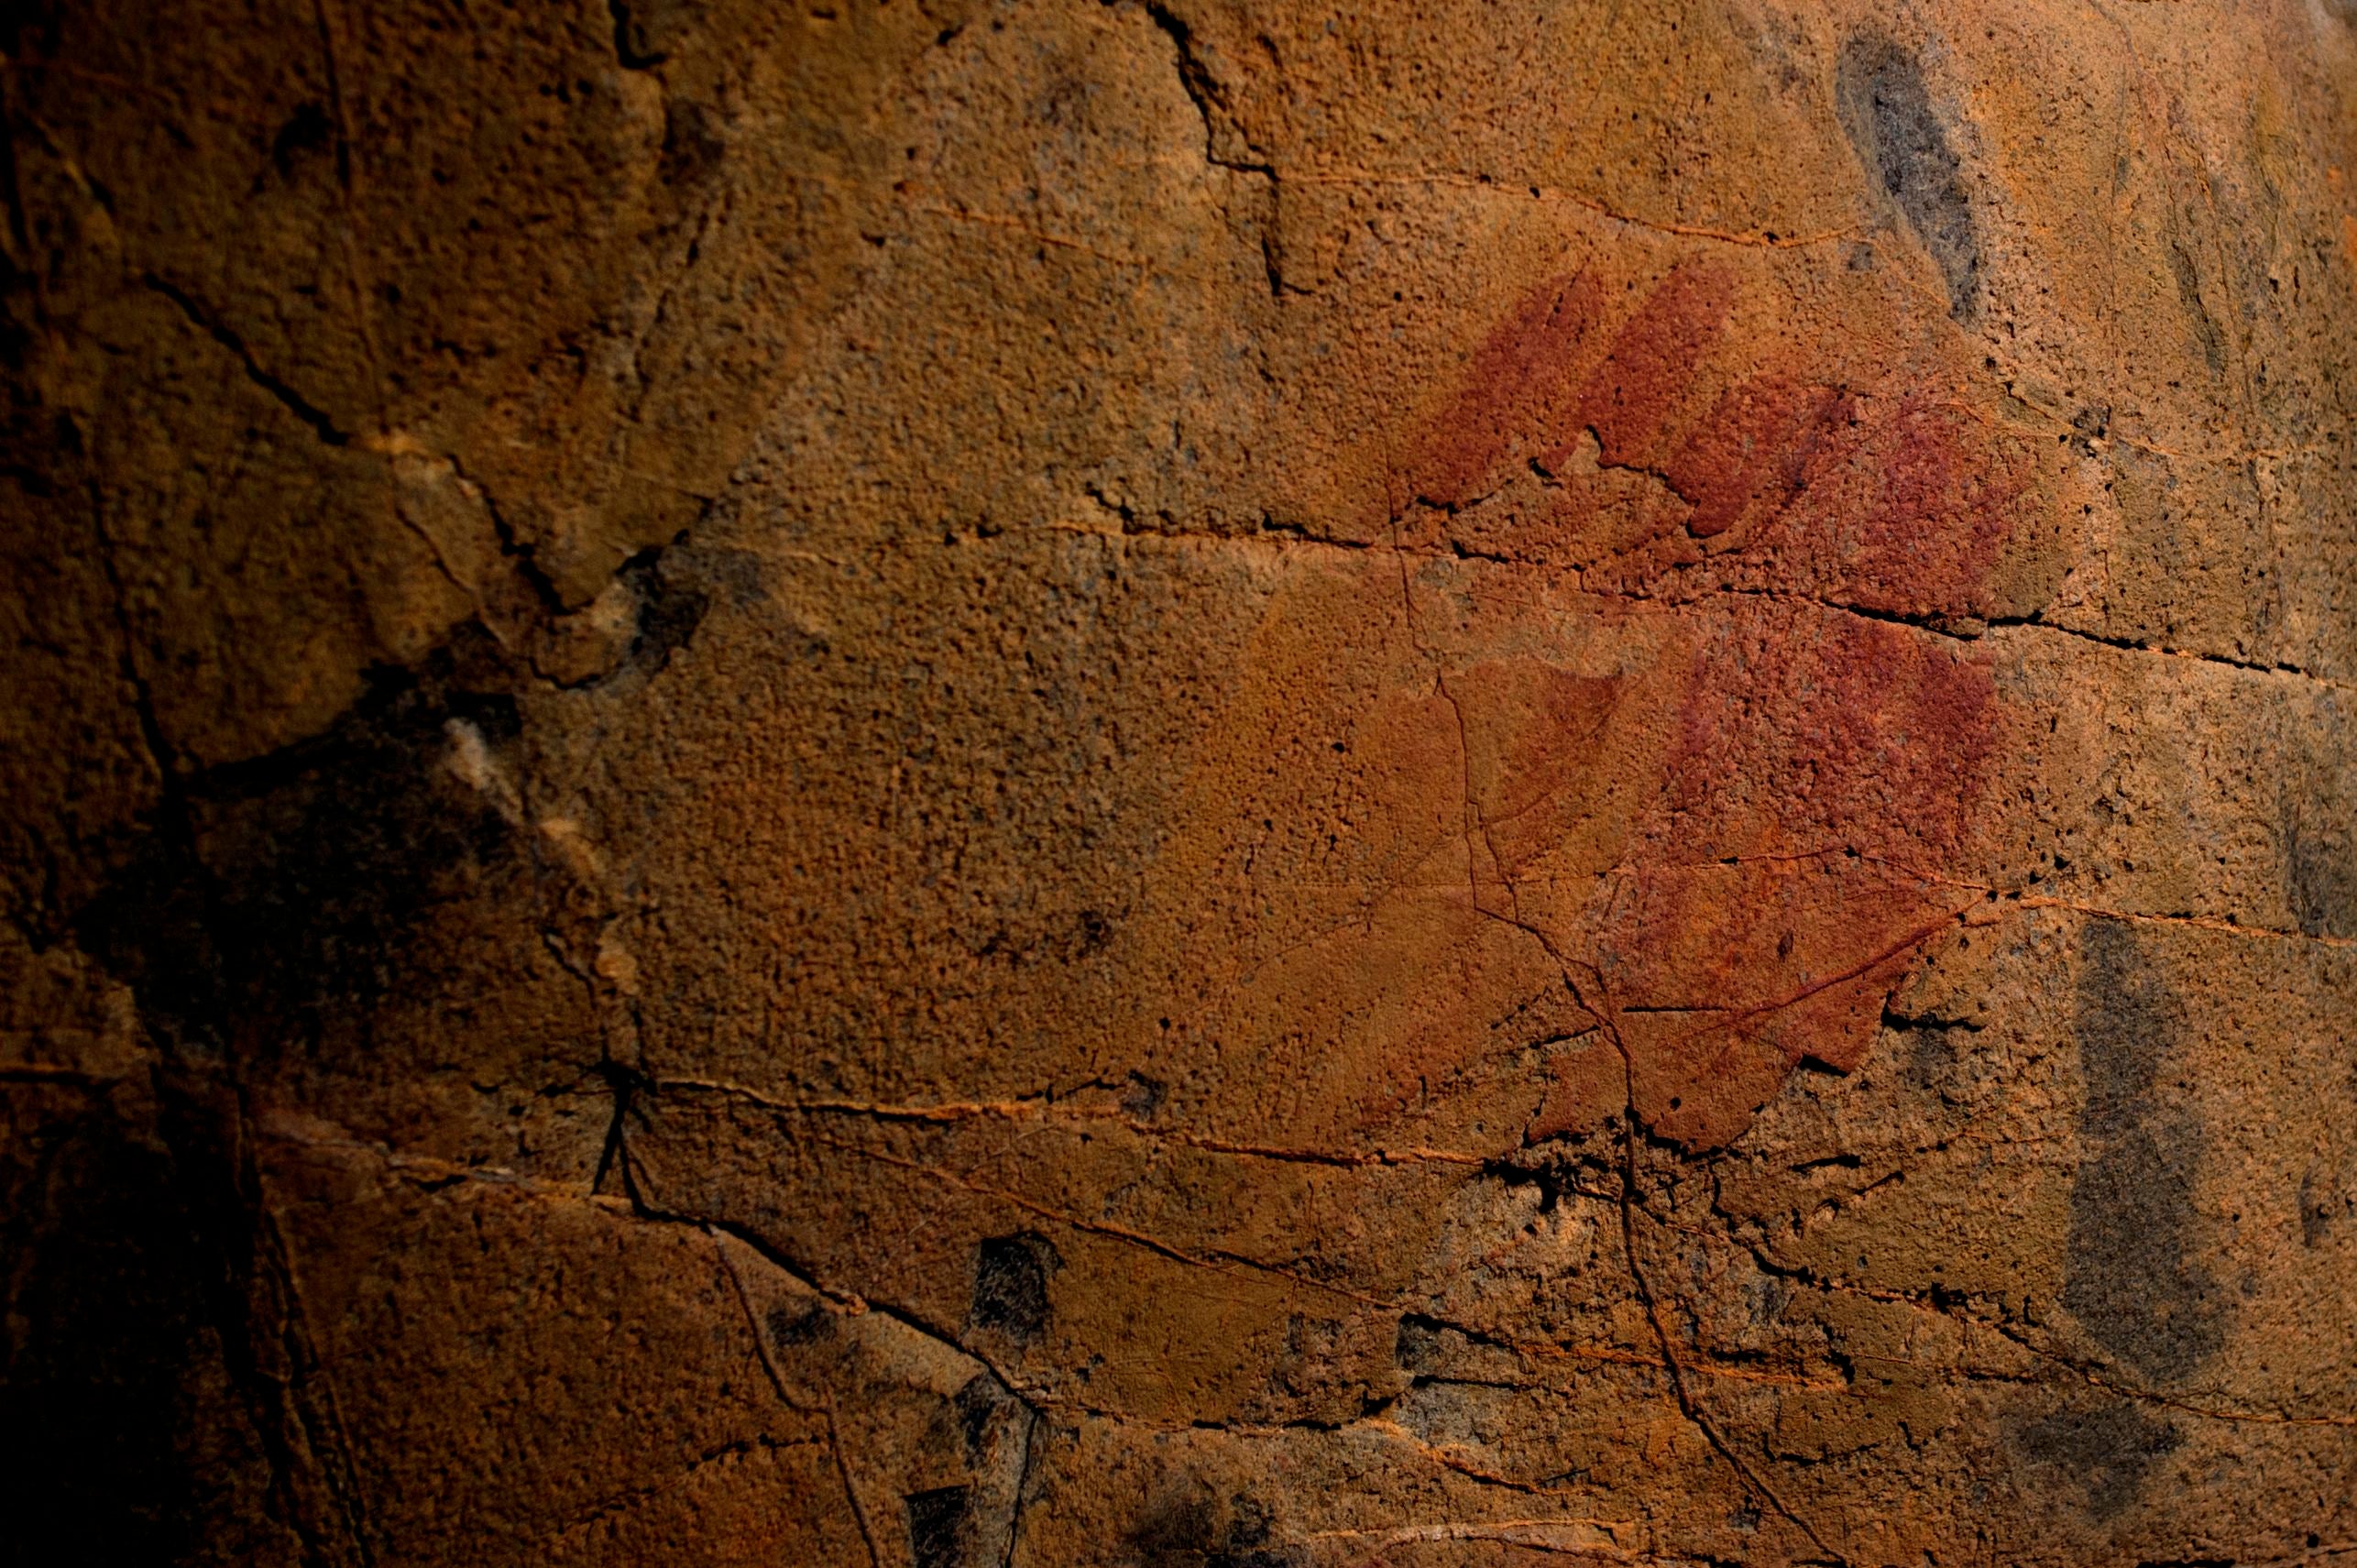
(934, 784)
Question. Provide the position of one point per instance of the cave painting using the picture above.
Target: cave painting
(1642, 709)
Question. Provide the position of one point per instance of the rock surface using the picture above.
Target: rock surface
(1204, 783)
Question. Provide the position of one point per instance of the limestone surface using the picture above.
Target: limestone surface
(1178, 784)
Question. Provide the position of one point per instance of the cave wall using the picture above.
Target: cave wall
(1209, 783)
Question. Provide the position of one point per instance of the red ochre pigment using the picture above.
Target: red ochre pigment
(1808, 771)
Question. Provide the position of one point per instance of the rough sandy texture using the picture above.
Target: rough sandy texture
(1211, 783)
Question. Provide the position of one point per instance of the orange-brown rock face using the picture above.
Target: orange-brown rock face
(939, 783)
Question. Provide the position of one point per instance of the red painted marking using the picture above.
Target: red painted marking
(1857, 732)
(1790, 725)
(1514, 376)
(1633, 397)
(1751, 454)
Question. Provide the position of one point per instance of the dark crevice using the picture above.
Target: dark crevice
(1955, 627)
(1202, 89)
(632, 44)
(1022, 1499)
(201, 1120)
(511, 547)
(643, 1208)
(321, 423)
(277, 900)
(670, 609)
(323, 426)
(1895, 1020)
(2129, 644)
(1687, 1404)
(626, 1083)
(336, 97)
(1968, 628)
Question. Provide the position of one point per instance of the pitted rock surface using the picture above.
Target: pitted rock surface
(942, 783)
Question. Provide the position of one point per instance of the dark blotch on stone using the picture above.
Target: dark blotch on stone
(2320, 1203)
(2205, 326)
(1143, 1096)
(940, 1523)
(979, 1404)
(1062, 938)
(2126, 1022)
(1887, 113)
(1418, 1348)
(2320, 870)
(289, 905)
(1936, 1050)
(1193, 1529)
(692, 146)
(2107, 1449)
(2132, 1281)
(1010, 1284)
(1092, 929)
(2135, 1281)
(306, 130)
(670, 607)
(800, 1324)
(111, 1342)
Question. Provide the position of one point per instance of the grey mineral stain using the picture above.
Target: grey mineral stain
(2107, 1449)
(801, 1324)
(2205, 326)
(670, 606)
(1193, 1528)
(2321, 1203)
(1887, 113)
(2126, 1022)
(1010, 1284)
(2320, 864)
(982, 1406)
(940, 1526)
(2136, 1281)
(1418, 1348)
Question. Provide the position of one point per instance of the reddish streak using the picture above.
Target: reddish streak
(1797, 723)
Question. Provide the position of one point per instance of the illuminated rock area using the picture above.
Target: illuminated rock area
(1207, 785)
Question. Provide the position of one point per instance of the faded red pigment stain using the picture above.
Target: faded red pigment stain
(1631, 400)
(1887, 498)
(1859, 750)
(1939, 513)
(1863, 731)
(1753, 453)
(1515, 377)
(1810, 778)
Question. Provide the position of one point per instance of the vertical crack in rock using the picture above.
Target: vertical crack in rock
(1219, 130)
(1202, 88)
(1688, 1403)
